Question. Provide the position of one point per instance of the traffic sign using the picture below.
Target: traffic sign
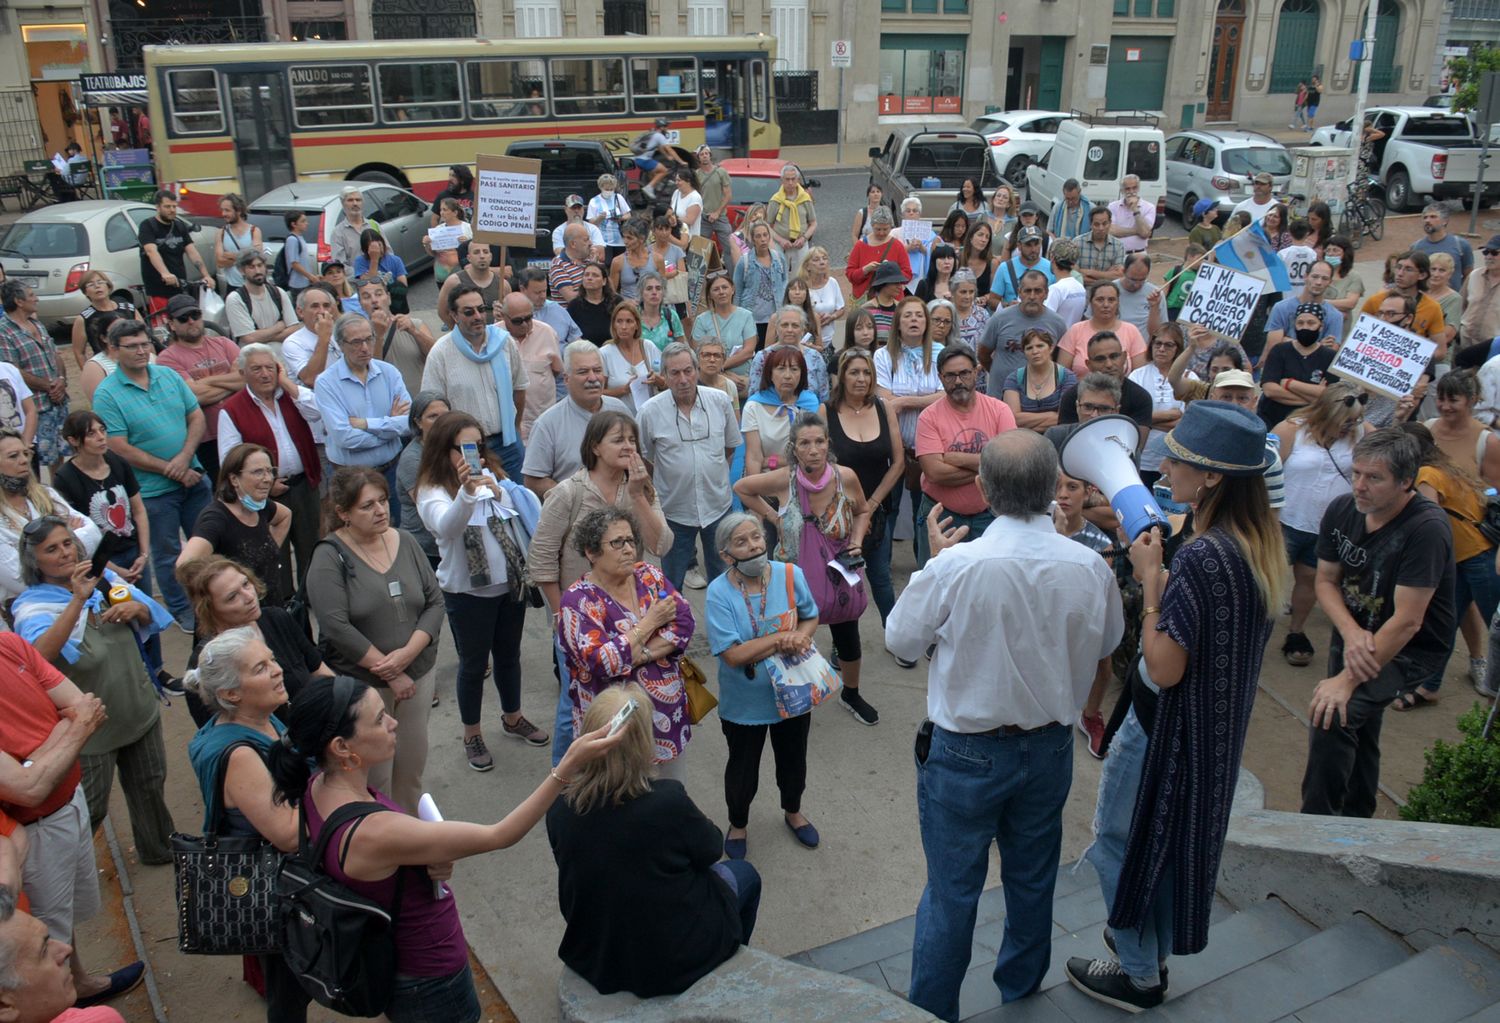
(842, 53)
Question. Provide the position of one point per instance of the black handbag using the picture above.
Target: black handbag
(226, 885)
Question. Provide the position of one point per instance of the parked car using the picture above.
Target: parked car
(1427, 151)
(52, 247)
(1099, 151)
(1018, 139)
(1219, 165)
(402, 215)
(754, 180)
(931, 164)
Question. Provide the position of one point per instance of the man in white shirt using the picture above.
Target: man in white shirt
(269, 318)
(1067, 297)
(1261, 200)
(574, 207)
(1021, 619)
(309, 350)
(552, 449)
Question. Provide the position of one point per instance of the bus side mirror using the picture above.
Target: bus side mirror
(812, 183)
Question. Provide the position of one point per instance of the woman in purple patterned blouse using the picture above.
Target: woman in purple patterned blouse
(623, 622)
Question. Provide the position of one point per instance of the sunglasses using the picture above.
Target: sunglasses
(188, 317)
(1361, 398)
(519, 321)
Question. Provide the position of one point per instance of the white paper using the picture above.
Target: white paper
(852, 578)
(1222, 300)
(59, 163)
(445, 238)
(1385, 357)
(427, 810)
(916, 231)
(505, 201)
(640, 391)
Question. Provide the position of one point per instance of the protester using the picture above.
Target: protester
(868, 254)
(937, 282)
(1437, 239)
(770, 408)
(1034, 615)
(1468, 442)
(790, 328)
(565, 273)
(400, 340)
(760, 279)
(1140, 300)
(732, 325)
(1385, 580)
(1450, 302)
(1034, 390)
(258, 312)
(349, 224)
(624, 622)
(609, 212)
(1168, 785)
(1107, 356)
(970, 316)
(459, 187)
(37, 986)
(1412, 272)
(1104, 316)
(1206, 233)
(742, 633)
(307, 352)
(364, 403)
(1028, 214)
(477, 273)
(670, 251)
(243, 523)
(1070, 218)
(444, 261)
(887, 292)
(236, 237)
(1314, 291)
(301, 262)
(718, 193)
(92, 322)
(1400, 311)
(65, 616)
(668, 854)
(1028, 258)
(975, 257)
(341, 727)
(634, 261)
(940, 315)
(792, 218)
(1100, 256)
(1481, 319)
(1203, 360)
(483, 524)
(593, 308)
(380, 613)
(970, 201)
(632, 367)
(1000, 346)
(689, 434)
(711, 372)
(477, 367)
(552, 450)
(1296, 373)
(427, 407)
(155, 423)
(540, 356)
(166, 247)
(26, 345)
(687, 202)
(906, 379)
(207, 362)
(1166, 409)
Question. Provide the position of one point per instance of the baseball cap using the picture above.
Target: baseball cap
(1234, 378)
(1029, 234)
(573, 200)
(1202, 206)
(1263, 178)
(1493, 245)
(330, 264)
(1028, 207)
(180, 305)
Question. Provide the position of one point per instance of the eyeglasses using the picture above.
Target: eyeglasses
(258, 474)
(1098, 409)
(959, 377)
(519, 321)
(39, 527)
(619, 543)
(1163, 343)
(1362, 398)
(188, 317)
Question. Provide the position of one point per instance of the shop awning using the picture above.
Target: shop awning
(113, 90)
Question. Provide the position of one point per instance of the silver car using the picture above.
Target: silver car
(403, 217)
(52, 247)
(1219, 165)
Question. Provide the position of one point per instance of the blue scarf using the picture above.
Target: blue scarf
(494, 347)
(807, 401)
(39, 606)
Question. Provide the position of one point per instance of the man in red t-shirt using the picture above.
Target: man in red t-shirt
(210, 365)
(951, 433)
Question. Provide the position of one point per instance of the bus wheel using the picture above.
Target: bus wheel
(380, 176)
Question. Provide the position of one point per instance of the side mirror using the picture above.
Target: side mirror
(812, 183)
(625, 163)
(874, 151)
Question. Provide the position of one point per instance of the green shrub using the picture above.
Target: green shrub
(1461, 784)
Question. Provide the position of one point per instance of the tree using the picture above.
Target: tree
(1466, 72)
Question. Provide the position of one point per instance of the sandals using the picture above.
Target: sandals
(1412, 699)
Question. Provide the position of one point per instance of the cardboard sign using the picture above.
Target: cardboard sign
(1222, 300)
(1385, 358)
(701, 257)
(505, 200)
(917, 230)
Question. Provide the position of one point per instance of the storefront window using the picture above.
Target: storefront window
(921, 74)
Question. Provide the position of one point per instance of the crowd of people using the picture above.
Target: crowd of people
(582, 442)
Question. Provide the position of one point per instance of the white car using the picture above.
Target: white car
(1018, 138)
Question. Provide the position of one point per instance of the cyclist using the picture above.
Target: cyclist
(653, 153)
(166, 247)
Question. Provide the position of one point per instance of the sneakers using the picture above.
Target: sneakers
(694, 580)
(1297, 650)
(1161, 964)
(902, 661)
(1104, 980)
(478, 754)
(1092, 727)
(526, 732)
(648, 191)
(172, 685)
(1479, 671)
(857, 705)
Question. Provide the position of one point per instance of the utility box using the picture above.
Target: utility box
(1319, 173)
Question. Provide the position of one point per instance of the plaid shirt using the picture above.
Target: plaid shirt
(24, 352)
(1091, 257)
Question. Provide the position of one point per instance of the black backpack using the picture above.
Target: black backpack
(281, 273)
(341, 945)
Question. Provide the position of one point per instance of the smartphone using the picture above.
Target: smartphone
(100, 559)
(621, 716)
(471, 456)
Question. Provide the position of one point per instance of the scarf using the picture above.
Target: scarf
(806, 401)
(494, 346)
(512, 533)
(790, 204)
(208, 746)
(40, 605)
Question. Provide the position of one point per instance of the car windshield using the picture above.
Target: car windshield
(749, 190)
(1253, 161)
(272, 223)
(988, 125)
(44, 239)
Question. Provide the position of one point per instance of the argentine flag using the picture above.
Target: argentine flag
(1251, 252)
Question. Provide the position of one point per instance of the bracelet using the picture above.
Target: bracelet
(558, 778)
(1150, 611)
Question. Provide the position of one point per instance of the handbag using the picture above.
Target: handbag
(700, 699)
(225, 884)
(838, 599)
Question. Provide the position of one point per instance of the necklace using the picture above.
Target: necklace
(1036, 388)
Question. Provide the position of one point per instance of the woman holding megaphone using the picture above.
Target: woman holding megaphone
(1205, 625)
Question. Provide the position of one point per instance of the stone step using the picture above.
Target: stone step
(1444, 984)
(1490, 1015)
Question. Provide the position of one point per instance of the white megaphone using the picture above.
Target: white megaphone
(1101, 452)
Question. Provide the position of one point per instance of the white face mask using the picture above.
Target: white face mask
(607, 195)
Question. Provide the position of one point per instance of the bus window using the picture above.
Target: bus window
(759, 107)
(194, 102)
(505, 88)
(419, 92)
(328, 95)
(663, 84)
(588, 86)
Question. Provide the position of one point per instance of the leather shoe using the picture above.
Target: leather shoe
(121, 981)
(806, 834)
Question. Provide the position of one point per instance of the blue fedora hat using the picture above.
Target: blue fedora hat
(1220, 437)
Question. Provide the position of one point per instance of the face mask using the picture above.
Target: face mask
(751, 568)
(1333, 261)
(607, 195)
(14, 484)
(1308, 335)
(251, 504)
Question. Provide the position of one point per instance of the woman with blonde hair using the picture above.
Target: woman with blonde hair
(632, 367)
(1317, 455)
(664, 860)
(92, 324)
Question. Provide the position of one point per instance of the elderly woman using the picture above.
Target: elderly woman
(240, 679)
(623, 622)
(755, 609)
(918, 252)
(380, 613)
(867, 254)
(828, 498)
(23, 498)
(92, 324)
(760, 278)
(790, 329)
(94, 639)
(244, 523)
(767, 420)
(970, 315)
(665, 857)
(610, 212)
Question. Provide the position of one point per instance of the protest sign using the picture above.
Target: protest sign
(1385, 357)
(916, 230)
(1221, 300)
(445, 238)
(505, 200)
(700, 258)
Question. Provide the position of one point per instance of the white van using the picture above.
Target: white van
(1099, 150)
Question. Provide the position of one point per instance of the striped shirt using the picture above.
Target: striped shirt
(1098, 257)
(152, 418)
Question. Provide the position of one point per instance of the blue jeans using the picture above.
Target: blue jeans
(1475, 581)
(511, 456)
(973, 790)
(675, 562)
(977, 524)
(562, 724)
(744, 881)
(1142, 948)
(171, 515)
(450, 999)
(878, 566)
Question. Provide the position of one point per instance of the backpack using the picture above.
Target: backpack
(244, 292)
(281, 271)
(339, 944)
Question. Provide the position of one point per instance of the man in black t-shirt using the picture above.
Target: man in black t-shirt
(1107, 355)
(1293, 373)
(166, 247)
(1385, 580)
(460, 189)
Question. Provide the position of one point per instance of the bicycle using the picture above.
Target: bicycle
(1363, 213)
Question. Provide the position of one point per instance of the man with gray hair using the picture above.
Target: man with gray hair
(1130, 219)
(400, 338)
(351, 223)
(1437, 239)
(688, 435)
(552, 450)
(1019, 620)
(36, 977)
(364, 403)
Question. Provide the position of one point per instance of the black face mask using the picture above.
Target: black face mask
(14, 484)
(1308, 335)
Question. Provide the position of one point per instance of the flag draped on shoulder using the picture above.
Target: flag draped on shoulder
(1250, 251)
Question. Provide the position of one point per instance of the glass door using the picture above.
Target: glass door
(262, 135)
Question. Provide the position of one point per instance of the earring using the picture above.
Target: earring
(1199, 495)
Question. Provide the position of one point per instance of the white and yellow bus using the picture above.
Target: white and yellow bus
(249, 117)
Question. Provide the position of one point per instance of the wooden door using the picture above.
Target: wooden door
(1223, 62)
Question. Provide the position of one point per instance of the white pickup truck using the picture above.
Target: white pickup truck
(1426, 151)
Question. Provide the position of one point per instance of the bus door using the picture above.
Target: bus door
(262, 130)
(726, 107)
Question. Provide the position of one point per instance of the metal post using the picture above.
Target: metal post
(1357, 125)
(1484, 158)
(838, 155)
